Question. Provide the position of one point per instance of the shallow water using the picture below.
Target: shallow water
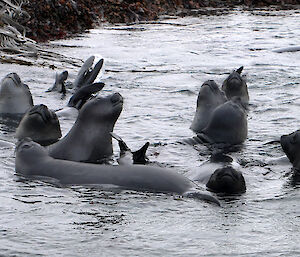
(159, 68)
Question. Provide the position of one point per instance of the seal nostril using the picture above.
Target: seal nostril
(116, 98)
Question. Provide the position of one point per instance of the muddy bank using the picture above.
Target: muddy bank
(55, 19)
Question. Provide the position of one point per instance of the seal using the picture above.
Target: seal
(220, 175)
(291, 146)
(127, 157)
(288, 49)
(40, 124)
(235, 85)
(33, 160)
(86, 75)
(209, 98)
(89, 139)
(15, 96)
(228, 124)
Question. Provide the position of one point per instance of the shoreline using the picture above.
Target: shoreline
(59, 19)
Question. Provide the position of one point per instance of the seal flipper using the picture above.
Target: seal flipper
(201, 196)
(83, 71)
(92, 75)
(83, 94)
(123, 147)
(139, 156)
(240, 69)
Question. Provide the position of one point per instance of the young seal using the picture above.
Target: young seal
(40, 124)
(235, 85)
(228, 124)
(33, 160)
(209, 98)
(15, 96)
(89, 139)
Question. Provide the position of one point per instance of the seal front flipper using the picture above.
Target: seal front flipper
(93, 73)
(82, 72)
(84, 94)
(201, 196)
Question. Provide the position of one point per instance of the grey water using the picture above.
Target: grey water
(159, 69)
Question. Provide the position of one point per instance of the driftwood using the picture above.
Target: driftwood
(15, 47)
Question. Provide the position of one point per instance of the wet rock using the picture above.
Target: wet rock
(55, 19)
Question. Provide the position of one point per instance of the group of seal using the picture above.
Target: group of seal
(221, 115)
(89, 141)
(220, 118)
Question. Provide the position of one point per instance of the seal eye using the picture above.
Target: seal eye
(26, 146)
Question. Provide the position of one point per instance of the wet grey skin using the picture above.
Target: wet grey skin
(33, 160)
(235, 86)
(209, 98)
(288, 49)
(89, 140)
(291, 146)
(227, 180)
(228, 124)
(87, 74)
(15, 96)
(127, 157)
(220, 174)
(40, 124)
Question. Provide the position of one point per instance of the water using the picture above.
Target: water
(159, 68)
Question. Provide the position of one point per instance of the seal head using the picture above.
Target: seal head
(291, 146)
(209, 98)
(40, 124)
(227, 180)
(235, 85)
(15, 96)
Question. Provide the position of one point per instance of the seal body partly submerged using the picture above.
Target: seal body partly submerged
(220, 175)
(34, 160)
(89, 139)
(228, 124)
(209, 98)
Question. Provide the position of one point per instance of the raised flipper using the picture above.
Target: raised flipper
(93, 73)
(79, 81)
(201, 196)
(240, 69)
(84, 94)
(139, 156)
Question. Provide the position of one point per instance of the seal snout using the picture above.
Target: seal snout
(14, 77)
(116, 98)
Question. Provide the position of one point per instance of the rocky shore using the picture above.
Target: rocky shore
(55, 19)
